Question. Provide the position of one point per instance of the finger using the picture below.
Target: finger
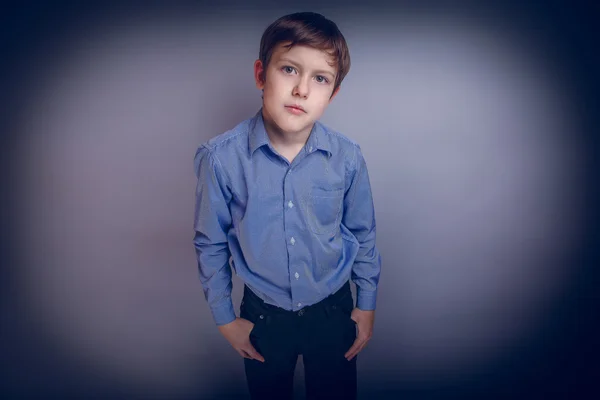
(354, 353)
(360, 344)
(244, 354)
(354, 347)
(362, 347)
(253, 353)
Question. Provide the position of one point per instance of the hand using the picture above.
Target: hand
(364, 321)
(237, 333)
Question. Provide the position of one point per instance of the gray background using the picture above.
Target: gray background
(470, 121)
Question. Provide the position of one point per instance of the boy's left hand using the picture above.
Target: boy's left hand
(364, 321)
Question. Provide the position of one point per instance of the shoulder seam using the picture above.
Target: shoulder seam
(339, 135)
(212, 155)
(216, 145)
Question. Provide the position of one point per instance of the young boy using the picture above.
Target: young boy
(287, 201)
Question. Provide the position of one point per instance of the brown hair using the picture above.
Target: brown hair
(309, 29)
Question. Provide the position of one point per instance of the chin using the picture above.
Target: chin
(293, 124)
(297, 126)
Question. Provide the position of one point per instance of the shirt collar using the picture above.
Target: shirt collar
(258, 136)
(318, 139)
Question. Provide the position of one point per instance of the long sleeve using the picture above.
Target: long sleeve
(359, 218)
(211, 223)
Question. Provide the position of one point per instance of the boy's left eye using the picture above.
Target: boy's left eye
(321, 79)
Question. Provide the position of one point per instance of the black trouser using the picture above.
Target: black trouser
(322, 333)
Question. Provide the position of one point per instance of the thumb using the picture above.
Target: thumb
(253, 353)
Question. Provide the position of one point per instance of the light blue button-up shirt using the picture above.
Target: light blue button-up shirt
(293, 232)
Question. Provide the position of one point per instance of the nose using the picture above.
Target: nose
(301, 88)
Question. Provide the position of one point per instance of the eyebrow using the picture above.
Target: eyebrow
(320, 71)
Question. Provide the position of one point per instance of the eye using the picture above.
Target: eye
(321, 79)
(288, 70)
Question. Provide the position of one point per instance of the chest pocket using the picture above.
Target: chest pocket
(324, 207)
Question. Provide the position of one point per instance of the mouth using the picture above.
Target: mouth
(296, 108)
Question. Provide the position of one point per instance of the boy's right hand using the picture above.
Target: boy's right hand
(237, 333)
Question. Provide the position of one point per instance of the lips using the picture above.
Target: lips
(296, 107)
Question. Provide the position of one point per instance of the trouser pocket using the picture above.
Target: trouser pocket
(252, 310)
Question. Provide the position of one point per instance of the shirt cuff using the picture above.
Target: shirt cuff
(223, 312)
(365, 300)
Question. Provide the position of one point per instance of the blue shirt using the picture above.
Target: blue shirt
(293, 232)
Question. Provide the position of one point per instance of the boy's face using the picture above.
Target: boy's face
(298, 87)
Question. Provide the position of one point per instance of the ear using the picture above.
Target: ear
(334, 94)
(258, 74)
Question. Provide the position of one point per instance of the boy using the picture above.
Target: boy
(288, 202)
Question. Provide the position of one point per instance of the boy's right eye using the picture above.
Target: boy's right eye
(287, 69)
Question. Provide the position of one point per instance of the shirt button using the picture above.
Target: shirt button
(290, 204)
(310, 148)
(292, 241)
(299, 304)
(297, 275)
